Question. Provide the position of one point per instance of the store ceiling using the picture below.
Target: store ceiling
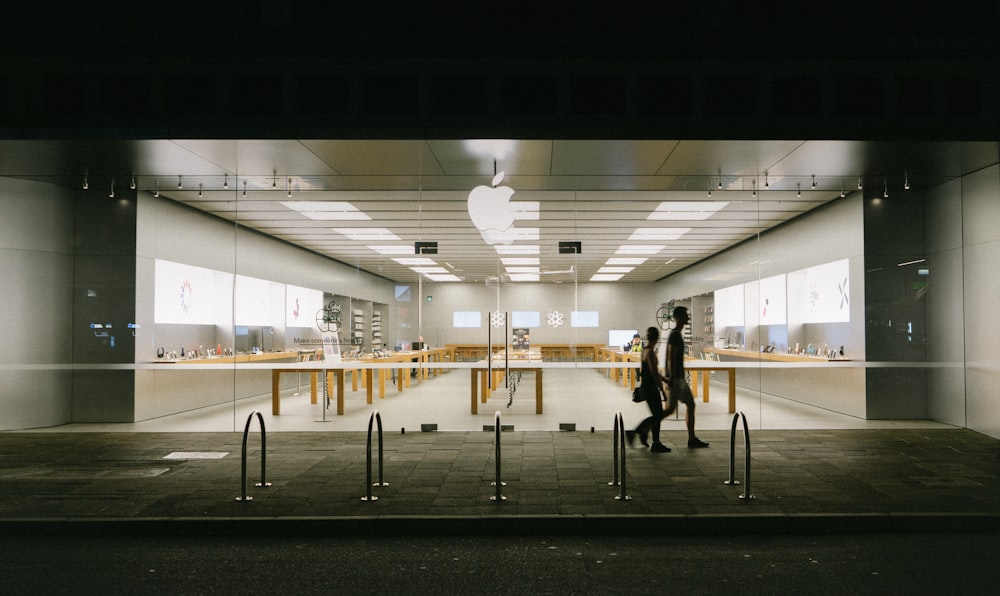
(646, 201)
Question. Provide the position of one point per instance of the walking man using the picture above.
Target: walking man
(676, 377)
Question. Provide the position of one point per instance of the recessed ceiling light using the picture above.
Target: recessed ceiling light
(517, 249)
(519, 260)
(444, 277)
(428, 270)
(393, 250)
(367, 234)
(523, 277)
(641, 234)
(327, 210)
(638, 249)
(415, 261)
(686, 210)
(626, 261)
(522, 269)
(606, 277)
(615, 269)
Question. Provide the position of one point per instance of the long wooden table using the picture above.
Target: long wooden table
(481, 379)
(549, 352)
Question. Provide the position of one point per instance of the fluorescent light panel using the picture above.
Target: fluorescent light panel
(393, 250)
(626, 261)
(606, 277)
(638, 249)
(522, 269)
(686, 210)
(615, 269)
(523, 277)
(443, 277)
(415, 261)
(515, 249)
(327, 210)
(367, 234)
(429, 270)
(641, 234)
(519, 261)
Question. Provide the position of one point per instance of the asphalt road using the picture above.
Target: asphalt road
(929, 563)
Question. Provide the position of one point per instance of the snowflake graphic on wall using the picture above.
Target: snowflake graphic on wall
(556, 318)
(497, 319)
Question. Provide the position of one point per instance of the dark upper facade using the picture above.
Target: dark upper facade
(719, 70)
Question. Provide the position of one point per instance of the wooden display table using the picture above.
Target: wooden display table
(481, 379)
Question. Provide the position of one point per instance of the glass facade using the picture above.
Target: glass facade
(375, 277)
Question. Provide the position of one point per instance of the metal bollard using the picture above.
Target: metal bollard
(496, 439)
(732, 457)
(263, 457)
(619, 436)
(375, 417)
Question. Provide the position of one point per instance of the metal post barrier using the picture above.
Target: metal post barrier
(620, 448)
(732, 452)
(263, 456)
(496, 439)
(732, 456)
(375, 417)
(614, 448)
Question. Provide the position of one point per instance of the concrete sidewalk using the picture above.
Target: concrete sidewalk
(809, 480)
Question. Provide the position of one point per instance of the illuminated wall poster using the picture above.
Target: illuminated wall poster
(529, 319)
(301, 306)
(584, 318)
(828, 299)
(183, 294)
(728, 307)
(773, 301)
(467, 319)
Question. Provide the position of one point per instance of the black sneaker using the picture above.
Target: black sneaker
(696, 443)
(659, 448)
(630, 437)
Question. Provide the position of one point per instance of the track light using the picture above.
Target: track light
(885, 189)
(814, 181)
(225, 181)
(720, 183)
(289, 188)
(906, 182)
(859, 182)
(766, 184)
(111, 194)
(754, 184)
(131, 183)
(200, 195)
(179, 183)
(798, 189)
(156, 188)
(86, 185)
(244, 188)
(842, 193)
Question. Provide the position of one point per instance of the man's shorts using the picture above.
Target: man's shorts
(680, 391)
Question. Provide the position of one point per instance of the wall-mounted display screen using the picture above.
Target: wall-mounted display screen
(301, 306)
(529, 319)
(828, 293)
(187, 295)
(772, 301)
(617, 338)
(584, 318)
(728, 307)
(467, 319)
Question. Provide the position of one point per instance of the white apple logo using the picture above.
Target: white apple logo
(490, 210)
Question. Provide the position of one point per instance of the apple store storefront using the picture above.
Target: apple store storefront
(439, 282)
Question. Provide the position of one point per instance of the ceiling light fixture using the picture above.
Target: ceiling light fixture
(111, 194)
(842, 193)
(86, 185)
(244, 188)
(859, 182)
(906, 181)
(225, 181)
(814, 181)
(156, 188)
(289, 188)
(798, 189)
(180, 184)
(885, 189)
(720, 183)
(766, 183)
(131, 184)
(200, 194)
(754, 184)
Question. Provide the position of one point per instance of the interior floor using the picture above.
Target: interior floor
(583, 397)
